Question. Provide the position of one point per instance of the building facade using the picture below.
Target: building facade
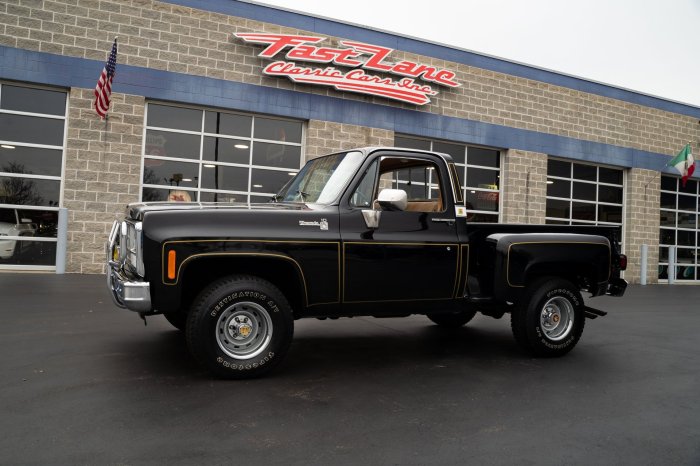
(222, 100)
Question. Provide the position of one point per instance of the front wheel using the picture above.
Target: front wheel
(550, 318)
(240, 327)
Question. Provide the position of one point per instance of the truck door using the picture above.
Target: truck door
(413, 254)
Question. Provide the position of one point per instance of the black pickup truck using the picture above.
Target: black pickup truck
(368, 232)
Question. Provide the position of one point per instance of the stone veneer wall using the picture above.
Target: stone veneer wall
(524, 187)
(642, 222)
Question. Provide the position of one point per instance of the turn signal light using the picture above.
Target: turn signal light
(623, 262)
(171, 265)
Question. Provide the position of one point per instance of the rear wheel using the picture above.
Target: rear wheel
(240, 327)
(453, 319)
(550, 318)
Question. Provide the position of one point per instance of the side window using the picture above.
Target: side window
(364, 193)
(419, 178)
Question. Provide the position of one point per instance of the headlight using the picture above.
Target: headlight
(132, 249)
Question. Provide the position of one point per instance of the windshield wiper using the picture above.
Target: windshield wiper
(303, 195)
(276, 198)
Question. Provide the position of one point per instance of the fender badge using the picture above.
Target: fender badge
(323, 224)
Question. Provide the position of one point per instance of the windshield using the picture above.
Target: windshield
(321, 180)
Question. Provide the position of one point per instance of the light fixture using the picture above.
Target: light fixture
(187, 179)
(7, 146)
(240, 146)
(550, 182)
(257, 186)
(473, 192)
(291, 173)
(209, 165)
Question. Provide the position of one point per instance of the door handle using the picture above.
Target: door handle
(449, 221)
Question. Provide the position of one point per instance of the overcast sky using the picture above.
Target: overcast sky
(650, 46)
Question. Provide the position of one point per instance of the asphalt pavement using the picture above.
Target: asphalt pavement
(83, 382)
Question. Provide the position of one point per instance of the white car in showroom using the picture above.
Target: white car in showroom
(13, 225)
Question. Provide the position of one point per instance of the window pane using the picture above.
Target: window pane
(268, 181)
(667, 218)
(223, 177)
(411, 143)
(27, 252)
(609, 213)
(24, 99)
(669, 183)
(609, 194)
(31, 160)
(558, 188)
(685, 256)
(165, 116)
(584, 191)
(208, 196)
(667, 236)
(558, 209)
(34, 130)
(558, 168)
(686, 273)
(228, 123)
(610, 175)
(484, 218)
(27, 191)
(663, 254)
(583, 211)
(686, 220)
(668, 201)
(276, 155)
(41, 223)
(585, 172)
(687, 203)
(482, 178)
(481, 200)
(481, 156)
(226, 150)
(170, 173)
(691, 187)
(175, 195)
(166, 144)
(686, 238)
(556, 222)
(455, 151)
(277, 130)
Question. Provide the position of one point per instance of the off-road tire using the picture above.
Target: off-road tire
(549, 319)
(240, 327)
(453, 319)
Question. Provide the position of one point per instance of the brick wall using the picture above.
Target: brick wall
(103, 167)
(524, 187)
(176, 38)
(642, 222)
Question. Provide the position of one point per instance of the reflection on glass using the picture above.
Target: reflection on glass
(268, 181)
(28, 191)
(411, 143)
(167, 144)
(481, 200)
(277, 130)
(175, 195)
(584, 191)
(226, 150)
(687, 203)
(170, 173)
(484, 157)
(685, 238)
(686, 220)
(667, 236)
(27, 252)
(667, 218)
(25, 99)
(31, 160)
(35, 130)
(609, 194)
(558, 209)
(583, 211)
(609, 213)
(558, 188)
(225, 177)
(456, 151)
(228, 123)
(482, 178)
(208, 196)
(165, 116)
(479, 217)
(276, 155)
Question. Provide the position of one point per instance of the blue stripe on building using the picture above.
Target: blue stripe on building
(44, 68)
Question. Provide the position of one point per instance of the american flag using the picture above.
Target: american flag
(103, 90)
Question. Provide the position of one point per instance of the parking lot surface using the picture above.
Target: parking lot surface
(82, 382)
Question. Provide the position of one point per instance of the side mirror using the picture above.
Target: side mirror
(392, 199)
(388, 199)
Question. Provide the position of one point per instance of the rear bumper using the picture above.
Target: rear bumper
(616, 287)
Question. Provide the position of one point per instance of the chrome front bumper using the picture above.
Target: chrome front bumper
(129, 294)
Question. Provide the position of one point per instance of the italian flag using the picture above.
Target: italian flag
(684, 163)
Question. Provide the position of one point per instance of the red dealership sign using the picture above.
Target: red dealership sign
(414, 84)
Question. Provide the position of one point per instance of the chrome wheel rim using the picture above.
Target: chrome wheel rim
(244, 330)
(557, 318)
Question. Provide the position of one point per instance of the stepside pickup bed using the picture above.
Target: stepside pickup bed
(373, 231)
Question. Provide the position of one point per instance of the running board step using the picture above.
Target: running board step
(594, 313)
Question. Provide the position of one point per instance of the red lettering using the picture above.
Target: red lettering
(377, 54)
(278, 42)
